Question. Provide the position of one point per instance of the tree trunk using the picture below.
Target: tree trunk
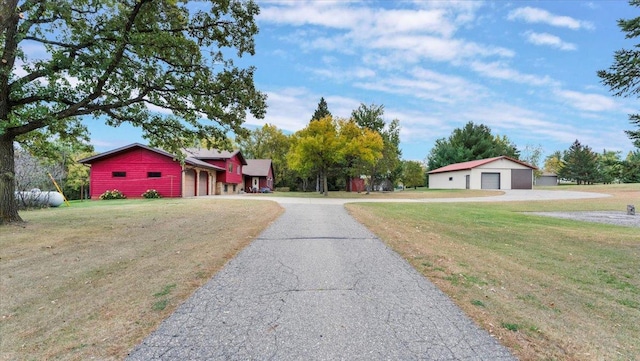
(8, 204)
(324, 184)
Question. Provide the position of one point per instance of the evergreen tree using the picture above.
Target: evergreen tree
(322, 111)
(623, 77)
(580, 164)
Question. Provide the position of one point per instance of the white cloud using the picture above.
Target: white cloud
(586, 101)
(549, 40)
(290, 109)
(499, 70)
(537, 15)
(427, 85)
(409, 36)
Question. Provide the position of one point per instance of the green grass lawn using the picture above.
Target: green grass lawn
(547, 288)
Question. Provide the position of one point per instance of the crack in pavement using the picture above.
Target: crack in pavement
(317, 285)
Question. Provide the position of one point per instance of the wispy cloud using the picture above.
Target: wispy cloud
(409, 36)
(427, 85)
(549, 40)
(502, 71)
(586, 101)
(537, 15)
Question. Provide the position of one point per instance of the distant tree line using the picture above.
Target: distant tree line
(582, 165)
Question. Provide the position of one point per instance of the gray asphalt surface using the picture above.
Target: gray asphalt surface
(317, 285)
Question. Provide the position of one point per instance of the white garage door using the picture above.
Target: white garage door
(490, 181)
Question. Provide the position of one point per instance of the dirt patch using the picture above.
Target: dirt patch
(608, 217)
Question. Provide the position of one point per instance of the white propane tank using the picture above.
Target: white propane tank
(53, 199)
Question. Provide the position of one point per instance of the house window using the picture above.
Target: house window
(450, 178)
(226, 188)
(238, 170)
(154, 174)
(118, 174)
(230, 167)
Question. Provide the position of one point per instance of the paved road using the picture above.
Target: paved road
(317, 285)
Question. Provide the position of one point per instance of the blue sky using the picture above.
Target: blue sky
(526, 69)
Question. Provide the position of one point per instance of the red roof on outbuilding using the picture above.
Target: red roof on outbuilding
(476, 163)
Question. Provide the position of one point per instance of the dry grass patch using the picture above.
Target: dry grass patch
(91, 281)
(546, 288)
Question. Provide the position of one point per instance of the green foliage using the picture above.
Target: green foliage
(118, 62)
(609, 167)
(630, 172)
(389, 167)
(553, 163)
(269, 142)
(322, 111)
(326, 144)
(623, 77)
(160, 305)
(471, 142)
(413, 174)
(151, 194)
(580, 164)
(511, 326)
(112, 194)
(165, 290)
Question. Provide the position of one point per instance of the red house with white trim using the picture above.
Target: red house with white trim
(136, 168)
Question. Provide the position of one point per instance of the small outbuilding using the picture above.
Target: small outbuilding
(547, 179)
(491, 173)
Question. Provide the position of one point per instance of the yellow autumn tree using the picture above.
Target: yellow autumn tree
(326, 144)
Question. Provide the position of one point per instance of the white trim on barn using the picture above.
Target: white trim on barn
(493, 173)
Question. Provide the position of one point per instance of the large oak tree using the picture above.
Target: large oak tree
(165, 66)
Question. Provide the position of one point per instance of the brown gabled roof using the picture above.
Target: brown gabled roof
(476, 163)
(214, 154)
(257, 167)
(189, 160)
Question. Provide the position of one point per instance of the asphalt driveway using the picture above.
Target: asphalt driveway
(317, 285)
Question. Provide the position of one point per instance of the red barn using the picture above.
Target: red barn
(136, 168)
(258, 175)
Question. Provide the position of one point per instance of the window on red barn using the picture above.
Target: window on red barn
(230, 167)
(118, 174)
(154, 174)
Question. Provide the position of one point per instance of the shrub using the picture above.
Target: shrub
(113, 194)
(151, 193)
